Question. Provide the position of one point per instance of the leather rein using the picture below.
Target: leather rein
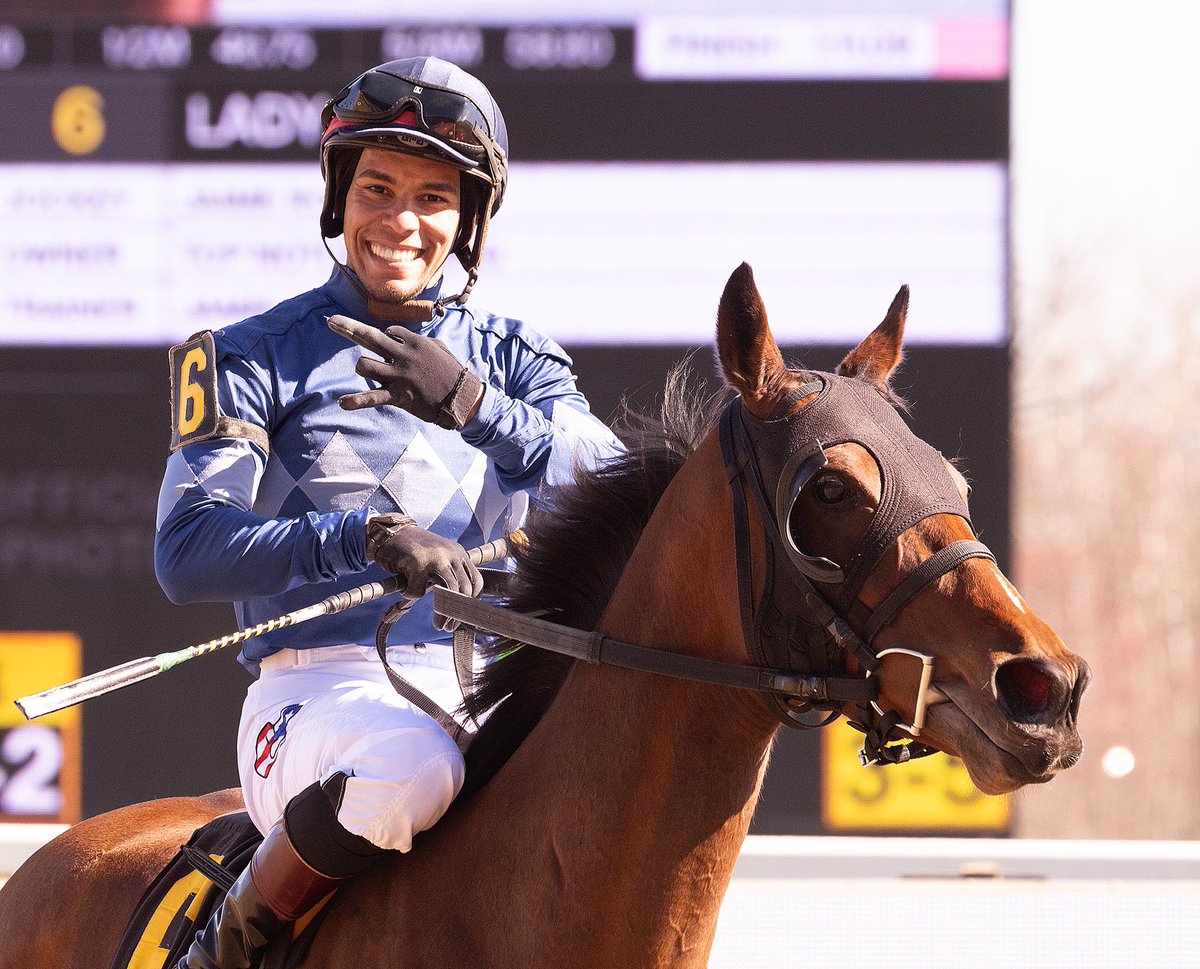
(800, 634)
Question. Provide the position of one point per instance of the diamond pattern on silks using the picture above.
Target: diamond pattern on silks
(274, 488)
(496, 512)
(339, 480)
(421, 482)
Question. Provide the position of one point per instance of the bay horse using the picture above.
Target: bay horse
(605, 806)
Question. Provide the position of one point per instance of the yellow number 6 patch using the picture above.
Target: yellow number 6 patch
(193, 390)
(195, 415)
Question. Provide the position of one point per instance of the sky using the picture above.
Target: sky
(1106, 147)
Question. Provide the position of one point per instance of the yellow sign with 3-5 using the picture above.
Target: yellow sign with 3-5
(39, 760)
(927, 794)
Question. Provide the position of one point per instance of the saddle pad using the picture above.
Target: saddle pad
(180, 901)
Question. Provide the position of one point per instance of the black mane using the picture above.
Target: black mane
(576, 551)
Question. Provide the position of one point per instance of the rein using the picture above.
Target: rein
(597, 648)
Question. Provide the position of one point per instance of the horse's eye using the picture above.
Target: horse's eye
(829, 489)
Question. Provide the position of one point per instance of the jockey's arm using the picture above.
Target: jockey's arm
(538, 426)
(211, 547)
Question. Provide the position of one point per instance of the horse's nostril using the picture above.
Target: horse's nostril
(1026, 688)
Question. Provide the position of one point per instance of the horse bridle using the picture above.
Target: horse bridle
(803, 617)
(799, 637)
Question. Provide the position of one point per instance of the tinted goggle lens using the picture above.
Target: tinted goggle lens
(381, 98)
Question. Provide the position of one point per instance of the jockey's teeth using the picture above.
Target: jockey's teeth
(393, 255)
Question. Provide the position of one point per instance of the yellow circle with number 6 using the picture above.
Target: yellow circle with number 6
(78, 120)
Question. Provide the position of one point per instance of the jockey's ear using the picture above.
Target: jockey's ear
(749, 355)
(876, 358)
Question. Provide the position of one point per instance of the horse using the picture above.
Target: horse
(606, 806)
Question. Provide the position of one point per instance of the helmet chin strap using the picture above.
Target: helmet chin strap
(405, 311)
(472, 276)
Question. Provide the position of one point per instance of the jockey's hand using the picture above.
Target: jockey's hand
(422, 559)
(417, 373)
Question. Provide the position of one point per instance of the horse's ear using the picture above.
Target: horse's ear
(879, 354)
(748, 352)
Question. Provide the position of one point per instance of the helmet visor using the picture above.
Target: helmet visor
(379, 98)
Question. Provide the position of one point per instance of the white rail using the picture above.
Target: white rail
(917, 903)
(838, 857)
(821, 858)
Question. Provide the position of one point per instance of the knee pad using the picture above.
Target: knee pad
(319, 839)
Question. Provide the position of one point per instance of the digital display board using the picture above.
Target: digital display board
(162, 178)
(158, 252)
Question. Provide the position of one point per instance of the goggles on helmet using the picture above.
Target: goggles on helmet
(377, 97)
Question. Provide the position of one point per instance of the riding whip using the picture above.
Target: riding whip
(106, 681)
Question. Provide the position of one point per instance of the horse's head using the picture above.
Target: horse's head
(871, 565)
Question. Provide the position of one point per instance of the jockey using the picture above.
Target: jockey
(301, 467)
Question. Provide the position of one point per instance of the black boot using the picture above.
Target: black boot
(280, 885)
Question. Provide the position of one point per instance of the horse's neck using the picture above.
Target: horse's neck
(641, 788)
(610, 836)
(646, 810)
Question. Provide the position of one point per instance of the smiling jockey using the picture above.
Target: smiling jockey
(301, 467)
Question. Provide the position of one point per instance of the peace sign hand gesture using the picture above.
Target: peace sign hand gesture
(417, 373)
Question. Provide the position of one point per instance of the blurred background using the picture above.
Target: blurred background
(1024, 168)
(1105, 456)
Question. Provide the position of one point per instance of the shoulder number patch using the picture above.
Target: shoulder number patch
(195, 415)
(193, 390)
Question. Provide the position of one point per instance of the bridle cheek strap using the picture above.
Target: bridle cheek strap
(824, 692)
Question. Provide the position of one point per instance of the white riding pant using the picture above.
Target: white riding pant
(314, 712)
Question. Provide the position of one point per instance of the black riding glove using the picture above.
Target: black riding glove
(418, 374)
(420, 558)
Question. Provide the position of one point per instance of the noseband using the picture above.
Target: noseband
(803, 620)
